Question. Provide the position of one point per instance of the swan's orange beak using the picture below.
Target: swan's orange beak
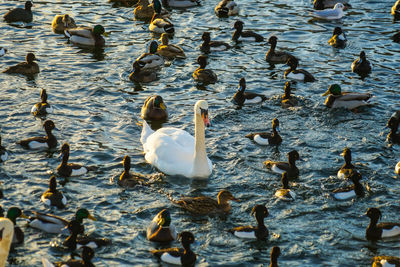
(204, 115)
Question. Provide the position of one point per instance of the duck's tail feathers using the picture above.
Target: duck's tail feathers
(250, 136)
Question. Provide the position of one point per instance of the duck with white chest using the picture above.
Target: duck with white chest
(66, 169)
(42, 108)
(355, 190)
(240, 35)
(265, 138)
(376, 231)
(49, 141)
(259, 232)
(285, 193)
(244, 98)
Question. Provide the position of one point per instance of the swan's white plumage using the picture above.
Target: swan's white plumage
(8, 232)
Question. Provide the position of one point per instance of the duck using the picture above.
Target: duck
(159, 23)
(397, 168)
(127, 179)
(338, 39)
(3, 51)
(13, 213)
(204, 205)
(289, 167)
(395, 11)
(161, 229)
(275, 253)
(87, 36)
(348, 100)
(52, 224)
(276, 57)
(40, 142)
(330, 13)
(288, 100)
(66, 169)
(355, 190)
(209, 46)
(29, 67)
(6, 236)
(143, 10)
(178, 256)
(42, 108)
(151, 59)
(3, 153)
(295, 74)
(53, 197)
(243, 98)
(142, 76)
(226, 8)
(87, 255)
(382, 230)
(347, 168)
(259, 232)
(175, 152)
(285, 193)
(265, 138)
(385, 261)
(240, 35)
(361, 66)
(62, 22)
(324, 4)
(203, 75)
(396, 37)
(20, 14)
(154, 108)
(393, 124)
(180, 3)
(169, 51)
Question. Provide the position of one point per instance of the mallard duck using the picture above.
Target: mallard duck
(276, 57)
(324, 4)
(208, 46)
(338, 39)
(265, 138)
(349, 100)
(206, 205)
(287, 99)
(361, 66)
(347, 167)
(295, 74)
(3, 51)
(395, 11)
(143, 10)
(169, 51)
(50, 223)
(386, 261)
(203, 75)
(87, 36)
(285, 193)
(397, 168)
(86, 261)
(6, 236)
(28, 67)
(42, 108)
(40, 142)
(66, 169)
(62, 22)
(259, 232)
(20, 14)
(53, 197)
(151, 59)
(180, 3)
(355, 190)
(243, 98)
(289, 167)
(154, 109)
(127, 179)
(158, 23)
(382, 230)
(13, 213)
(240, 35)
(138, 75)
(226, 8)
(161, 229)
(393, 124)
(179, 256)
(3, 153)
(330, 13)
(275, 253)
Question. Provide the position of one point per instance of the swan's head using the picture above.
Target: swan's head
(6, 233)
(201, 108)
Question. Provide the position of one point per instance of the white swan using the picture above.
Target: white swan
(175, 152)
(6, 236)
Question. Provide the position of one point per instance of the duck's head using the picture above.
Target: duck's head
(14, 212)
(164, 39)
(49, 125)
(293, 155)
(347, 154)
(202, 61)
(99, 30)
(66, 19)
(159, 103)
(53, 183)
(30, 57)
(334, 89)
(87, 254)
(285, 180)
(164, 218)
(153, 47)
(224, 196)
(273, 40)
(292, 62)
(275, 124)
(394, 121)
(126, 162)
(260, 212)
(355, 176)
(362, 55)
(206, 37)
(201, 108)
(28, 5)
(242, 84)
(186, 238)
(43, 96)
(287, 89)
(64, 150)
(157, 6)
(374, 214)
(337, 31)
(339, 6)
(238, 25)
(275, 253)
(84, 214)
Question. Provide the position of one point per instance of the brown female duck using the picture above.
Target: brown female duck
(276, 57)
(154, 109)
(203, 75)
(28, 67)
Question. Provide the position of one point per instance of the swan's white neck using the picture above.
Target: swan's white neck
(201, 168)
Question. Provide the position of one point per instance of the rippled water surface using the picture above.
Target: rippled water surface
(97, 108)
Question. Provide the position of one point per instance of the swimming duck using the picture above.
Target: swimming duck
(27, 68)
(382, 230)
(355, 190)
(361, 66)
(154, 109)
(396, 37)
(3, 153)
(240, 35)
(203, 75)
(6, 236)
(393, 124)
(13, 213)
(259, 232)
(285, 193)
(62, 22)
(241, 97)
(396, 10)
(180, 3)
(3, 51)
(295, 74)
(127, 179)
(275, 253)
(20, 14)
(142, 76)
(324, 4)
(338, 39)
(276, 57)
(86, 261)
(143, 10)
(66, 169)
(265, 138)
(179, 256)
(152, 59)
(208, 46)
(226, 8)
(161, 229)
(158, 23)
(87, 36)
(347, 167)
(330, 13)
(40, 142)
(42, 108)
(386, 261)
(287, 99)
(204, 205)
(53, 197)
(289, 167)
(176, 152)
(50, 223)
(169, 51)
(349, 100)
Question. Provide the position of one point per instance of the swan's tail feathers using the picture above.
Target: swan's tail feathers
(146, 132)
